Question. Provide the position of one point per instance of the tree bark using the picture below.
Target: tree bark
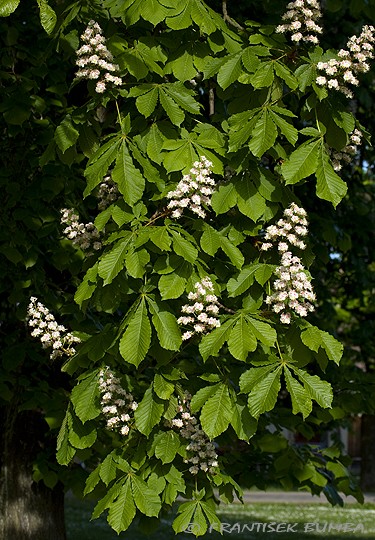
(367, 453)
(28, 510)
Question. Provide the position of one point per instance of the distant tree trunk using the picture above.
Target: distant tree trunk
(28, 510)
(367, 453)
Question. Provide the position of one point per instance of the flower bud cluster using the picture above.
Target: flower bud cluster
(348, 152)
(338, 73)
(201, 451)
(95, 61)
(293, 289)
(50, 334)
(289, 230)
(118, 406)
(300, 21)
(193, 190)
(85, 236)
(108, 193)
(202, 309)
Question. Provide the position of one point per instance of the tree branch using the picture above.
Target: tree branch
(228, 19)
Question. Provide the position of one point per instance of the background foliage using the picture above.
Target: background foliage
(194, 84)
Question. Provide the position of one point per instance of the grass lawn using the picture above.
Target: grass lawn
(243, 522)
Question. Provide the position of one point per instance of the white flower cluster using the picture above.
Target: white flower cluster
(293, 289)
(202, 309)
(108, 193)
(201, 451)
(289, 230)
(85, 236)
(339, 73)
(193, 190)
(300, 21)
(95, 61)
(348, 152)
(118, 406)
(50, 334)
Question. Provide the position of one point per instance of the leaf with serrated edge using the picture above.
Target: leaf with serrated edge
(148, 413)
(319, 390)
(263, 396)
(241, 340)
(216, 412)
(122, 511)
(136, 339)
(301, 400)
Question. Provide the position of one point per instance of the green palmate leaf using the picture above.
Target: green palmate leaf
(167, 446)
(302, 162)
(106, 501)
(81, 435)
(171, 286)
(107, 469)
(122, 511)
(85, 397)
(241, 340)
(146, 103)
(210, 240)
(88, 285)
(224, 198)
(301, 400)
(290, 132)
(250, 378)
(262, 331)
(149, 412)
(66, 135)
(128, 178)
(92, 481)
(7, 7)
(284, 73)
(136, 339)
(166, 326)
(146, 500)
(48, 17)
(263, 76)
(65, 451)
(211, 343)
(184, 520)
(329, 185)
(100, 162)
(232, 252)
(159, 237)
(243, 281)
(319, 390)
(135, 261)
(216, 412)
(242, 422)
(112, 262)
(200, 398)
(264, 394)
(263, 135)
(183, 97)
(264, 272)
(314, 338)
(176, 115)
(230, 71)
(163, 388)
(183, 247)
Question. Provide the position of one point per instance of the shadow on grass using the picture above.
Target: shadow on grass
(248, 522)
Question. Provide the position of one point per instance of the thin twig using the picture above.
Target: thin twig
(211, 101)
(228, 19)
(225, 308)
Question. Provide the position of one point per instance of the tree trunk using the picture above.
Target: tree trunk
(367, 453)
(28, 510)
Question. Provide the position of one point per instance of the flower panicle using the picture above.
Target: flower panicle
(201, 455)
(201, 311)
(94, 61)
(347, 153)
(293, 289)
(117, 404)
(83, 235)
(338, 73)
(48, 331)
(301, 21)
(193, 191)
